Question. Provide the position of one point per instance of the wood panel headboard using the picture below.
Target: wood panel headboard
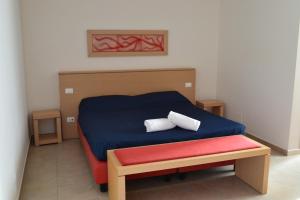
(126, 82)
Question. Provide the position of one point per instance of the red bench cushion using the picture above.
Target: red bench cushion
(171, 151)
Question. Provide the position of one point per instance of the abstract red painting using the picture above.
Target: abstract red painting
(127, 42)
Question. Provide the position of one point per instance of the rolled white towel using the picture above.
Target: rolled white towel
(160, 124)
(184, 121)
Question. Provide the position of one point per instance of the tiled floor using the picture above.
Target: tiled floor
(60, 172)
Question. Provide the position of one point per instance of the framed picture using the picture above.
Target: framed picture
(127, 42)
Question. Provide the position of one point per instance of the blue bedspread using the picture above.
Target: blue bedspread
(110, 122)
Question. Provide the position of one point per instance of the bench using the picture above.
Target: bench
(251, 160)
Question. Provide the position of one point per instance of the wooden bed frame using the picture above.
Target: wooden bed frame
(125, 82)
(133, 82)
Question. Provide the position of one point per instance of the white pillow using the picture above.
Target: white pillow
(183, 121)
(160, 124)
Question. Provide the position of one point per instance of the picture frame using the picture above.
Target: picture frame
(127, 43)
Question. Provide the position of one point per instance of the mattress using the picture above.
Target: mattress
(117, 121)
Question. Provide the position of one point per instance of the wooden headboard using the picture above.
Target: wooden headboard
(127, 82)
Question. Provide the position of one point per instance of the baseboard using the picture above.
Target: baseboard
(293, 152)
(272, 146)
(19, 187)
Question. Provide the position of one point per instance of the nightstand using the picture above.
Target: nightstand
(214, 106)
(49, 138)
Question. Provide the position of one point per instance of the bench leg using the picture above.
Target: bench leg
(116, 185)
(254, 171)
(103, 187)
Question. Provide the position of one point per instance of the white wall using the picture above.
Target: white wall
(257, 56)
(55, 39)
(294, 142)
(256, 53)
(13, 116)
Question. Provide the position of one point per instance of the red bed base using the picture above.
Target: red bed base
(99, 168)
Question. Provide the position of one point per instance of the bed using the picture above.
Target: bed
(117, 121)
(107, 124)
(112, 105)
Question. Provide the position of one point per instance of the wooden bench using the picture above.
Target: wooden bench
(251, 160)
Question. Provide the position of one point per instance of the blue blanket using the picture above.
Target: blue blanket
(110, 122)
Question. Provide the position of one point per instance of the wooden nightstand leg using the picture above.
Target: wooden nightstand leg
(221, 111)
(218, 110)
(36, 132)
(58, 130)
